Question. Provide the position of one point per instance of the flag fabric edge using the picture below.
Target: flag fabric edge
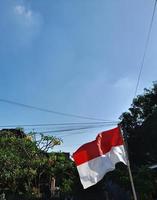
(108, 149)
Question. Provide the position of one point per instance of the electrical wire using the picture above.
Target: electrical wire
(73, 131)
(70, 134)
(58, 124)
(145, 48)
(49, 111)
(68, 129)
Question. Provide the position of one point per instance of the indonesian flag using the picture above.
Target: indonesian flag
(96, 158)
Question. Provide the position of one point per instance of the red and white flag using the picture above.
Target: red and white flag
(96, 158)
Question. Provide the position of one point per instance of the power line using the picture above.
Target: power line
(145, 48)
(69, 130)
(50, 111)
(78, 133)
(58, 124)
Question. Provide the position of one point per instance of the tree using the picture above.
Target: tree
(22, 158)
(66, 175)
(141, 128)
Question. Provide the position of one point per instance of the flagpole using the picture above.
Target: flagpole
(128, 164)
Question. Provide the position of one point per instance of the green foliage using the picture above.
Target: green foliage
(120, 176)
(66, 173)
(142, 107)
(144, 181)
(23, 158)
(140, 128)
(27, 162)
(66, 186)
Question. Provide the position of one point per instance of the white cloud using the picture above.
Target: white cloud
(25, 16)
(26, 23)
(23, 11)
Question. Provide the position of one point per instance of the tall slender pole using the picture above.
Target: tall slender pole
(132, 182)
(128, 164)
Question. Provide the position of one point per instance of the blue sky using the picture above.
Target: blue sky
(80, 57)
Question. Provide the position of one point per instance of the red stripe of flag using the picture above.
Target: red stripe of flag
(103, 144)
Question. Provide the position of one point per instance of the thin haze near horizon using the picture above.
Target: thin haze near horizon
(78, 57)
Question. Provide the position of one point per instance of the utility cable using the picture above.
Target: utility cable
(69, 129)
(49, 111)
(76, 133)
(145, 48)
(58, 124)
